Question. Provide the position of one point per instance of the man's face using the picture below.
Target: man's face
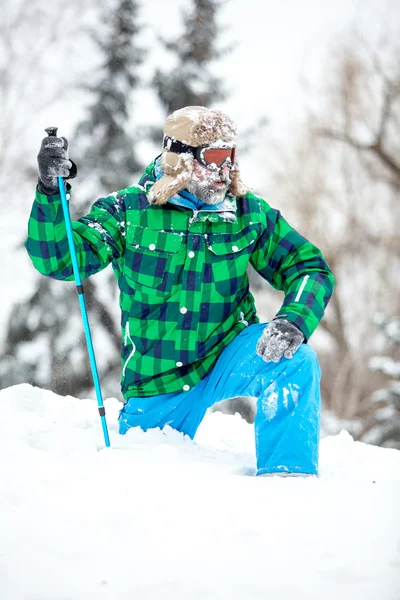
(208, 185)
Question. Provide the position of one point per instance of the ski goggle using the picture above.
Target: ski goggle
(212, 158)
(215, 158)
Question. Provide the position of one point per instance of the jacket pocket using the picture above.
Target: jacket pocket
(151, 258)
(229, 261)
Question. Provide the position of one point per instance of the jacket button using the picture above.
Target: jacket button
(191, 254)
(152, 247)
(235, 248)
(186, 388)
(183, 310)
(179, 364)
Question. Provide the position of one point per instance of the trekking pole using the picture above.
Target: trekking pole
(52, 131)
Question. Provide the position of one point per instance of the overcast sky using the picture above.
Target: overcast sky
(279, 41)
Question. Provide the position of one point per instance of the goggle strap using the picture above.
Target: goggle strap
(178, 147)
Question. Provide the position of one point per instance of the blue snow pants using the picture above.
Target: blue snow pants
(287, 411)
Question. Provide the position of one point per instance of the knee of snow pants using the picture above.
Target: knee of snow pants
(287, 421)
(288, 403)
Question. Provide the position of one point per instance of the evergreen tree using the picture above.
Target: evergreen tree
(105, 140)
(191, 82)
(385, 430)
(45, 343)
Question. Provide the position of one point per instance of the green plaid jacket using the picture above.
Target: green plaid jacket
(184, 291)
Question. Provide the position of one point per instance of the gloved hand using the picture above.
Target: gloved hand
(53, 161)
(279, 338)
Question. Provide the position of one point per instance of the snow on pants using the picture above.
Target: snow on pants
(288, 403)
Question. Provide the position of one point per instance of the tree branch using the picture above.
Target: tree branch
(376, 147)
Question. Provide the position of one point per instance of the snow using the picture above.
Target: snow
(158, 516)
(386, 365)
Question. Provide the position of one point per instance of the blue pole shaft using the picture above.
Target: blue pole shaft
(82, 304)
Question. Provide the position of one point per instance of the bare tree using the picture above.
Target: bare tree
(340, 185)
(369, 98)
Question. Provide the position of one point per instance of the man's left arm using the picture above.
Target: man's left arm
(290, 263)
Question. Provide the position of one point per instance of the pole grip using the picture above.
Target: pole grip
(51, 131)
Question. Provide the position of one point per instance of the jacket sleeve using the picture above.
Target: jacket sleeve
(290, 263)
(98, 236)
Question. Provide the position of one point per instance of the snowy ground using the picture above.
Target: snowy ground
(160, 517)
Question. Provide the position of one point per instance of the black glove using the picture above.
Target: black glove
(54, 162)
(279, 338)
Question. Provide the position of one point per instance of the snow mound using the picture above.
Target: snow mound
(158, 516)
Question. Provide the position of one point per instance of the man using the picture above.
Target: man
(180, 243)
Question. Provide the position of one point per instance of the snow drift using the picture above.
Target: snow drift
(157, 516)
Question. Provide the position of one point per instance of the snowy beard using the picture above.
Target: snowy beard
(210, 190)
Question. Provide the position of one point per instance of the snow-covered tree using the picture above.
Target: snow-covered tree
(191, 82)
(384, 430)
(45, 344)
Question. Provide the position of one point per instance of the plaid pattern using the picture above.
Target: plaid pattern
(184, 291)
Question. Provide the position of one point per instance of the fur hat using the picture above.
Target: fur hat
(193, 126)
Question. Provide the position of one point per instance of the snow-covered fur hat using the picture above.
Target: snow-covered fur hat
(193, 126)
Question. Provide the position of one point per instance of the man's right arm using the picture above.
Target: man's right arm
(98, 236)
